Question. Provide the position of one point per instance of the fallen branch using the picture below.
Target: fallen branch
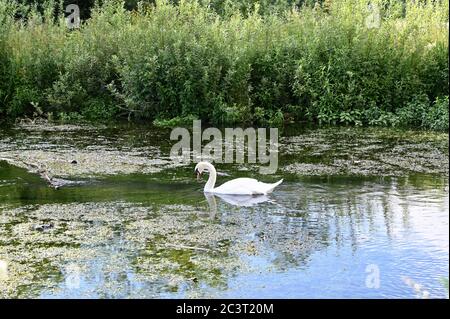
(33, 168)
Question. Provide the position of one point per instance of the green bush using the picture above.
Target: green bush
(436, 118)
(248, 62)
(413, 112)
(175, 121)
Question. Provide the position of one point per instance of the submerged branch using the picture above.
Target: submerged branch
(33, 168)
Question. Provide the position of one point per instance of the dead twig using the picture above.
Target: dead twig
(33, 168)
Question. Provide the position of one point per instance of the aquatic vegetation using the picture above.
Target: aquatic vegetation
(247, 62)
(172, 247)
(120, 249)
(73, 152)
(365, 152)
(350, 195)
(445, 284)
(70, 151)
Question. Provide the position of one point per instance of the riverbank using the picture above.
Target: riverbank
(339, 63)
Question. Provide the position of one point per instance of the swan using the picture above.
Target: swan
(238, 186)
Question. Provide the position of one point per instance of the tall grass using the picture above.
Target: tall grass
(318, 63)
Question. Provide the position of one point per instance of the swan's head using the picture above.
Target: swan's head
(201, 167)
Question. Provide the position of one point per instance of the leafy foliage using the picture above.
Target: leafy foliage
(251, 62)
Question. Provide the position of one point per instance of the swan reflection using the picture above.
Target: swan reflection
(235, 200)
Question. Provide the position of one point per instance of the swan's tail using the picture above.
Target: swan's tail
(272, 186)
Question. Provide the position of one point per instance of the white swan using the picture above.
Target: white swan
(238, 186)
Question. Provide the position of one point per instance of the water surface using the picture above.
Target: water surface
(355, 204)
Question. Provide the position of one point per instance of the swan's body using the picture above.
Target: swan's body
(238, 186)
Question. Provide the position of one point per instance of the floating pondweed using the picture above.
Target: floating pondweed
(122, 229)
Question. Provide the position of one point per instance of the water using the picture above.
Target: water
(361, 213)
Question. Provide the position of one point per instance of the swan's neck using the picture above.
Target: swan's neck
(209, 186)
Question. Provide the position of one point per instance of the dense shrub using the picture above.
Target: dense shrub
(261, 62)
(437, 117)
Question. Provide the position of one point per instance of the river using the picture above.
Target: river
(362, 213)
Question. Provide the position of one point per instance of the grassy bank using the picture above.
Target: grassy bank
(327, 63)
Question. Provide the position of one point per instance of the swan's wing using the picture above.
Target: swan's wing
(238, 186)
(245, 186)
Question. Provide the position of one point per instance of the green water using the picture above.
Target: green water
(130, 223)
